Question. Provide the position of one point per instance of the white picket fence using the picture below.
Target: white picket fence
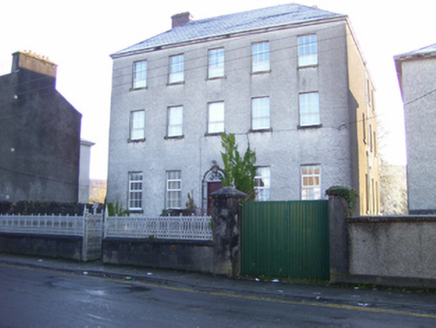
(42, 224)
(167, 227)
(89, 226)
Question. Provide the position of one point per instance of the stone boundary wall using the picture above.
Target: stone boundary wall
(220, 256)
(393, 250)
(160, 253)
(56, 246)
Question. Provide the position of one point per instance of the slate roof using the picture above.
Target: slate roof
(426, 51)
(233, 23)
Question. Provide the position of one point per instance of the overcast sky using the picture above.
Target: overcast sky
(80, 35)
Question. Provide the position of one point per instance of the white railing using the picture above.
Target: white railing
(42, 224)
(160, 227)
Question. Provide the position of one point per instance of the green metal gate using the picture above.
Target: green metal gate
(285, 239)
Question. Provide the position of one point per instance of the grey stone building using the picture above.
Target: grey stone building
(39, 133)
(289, 79)
(417, 78)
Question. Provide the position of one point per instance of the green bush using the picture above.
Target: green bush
(116, 209)
(239, 170)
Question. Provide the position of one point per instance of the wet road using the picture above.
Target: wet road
(33, 297)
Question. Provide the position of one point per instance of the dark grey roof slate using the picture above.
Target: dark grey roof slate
(426, 51)
(233, 23)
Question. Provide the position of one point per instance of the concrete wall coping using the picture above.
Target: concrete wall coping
(162, 241)
(392, 219)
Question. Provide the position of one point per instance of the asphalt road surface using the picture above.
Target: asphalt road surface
(36, 297)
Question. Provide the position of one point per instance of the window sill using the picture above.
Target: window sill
(175, 83)
(135, 140)
(138, 89)
(174, 137)
(136, 211)
(216, 78)
(260, 130)
(260, 72)
(308, 66)
(314, 126)
(207, 134)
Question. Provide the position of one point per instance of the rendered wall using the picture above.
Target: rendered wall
(284, 148)
(396, 247)
(381, 250)
(418, 83)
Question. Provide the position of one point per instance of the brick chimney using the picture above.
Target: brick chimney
(33, 62)
(180, 19)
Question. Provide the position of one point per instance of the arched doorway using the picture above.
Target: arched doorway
(211, 183)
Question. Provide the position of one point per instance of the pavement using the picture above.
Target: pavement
(356, 296)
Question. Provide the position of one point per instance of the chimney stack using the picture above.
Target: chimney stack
(180, 19)
(33, 62)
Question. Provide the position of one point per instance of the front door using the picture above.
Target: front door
(212, 186)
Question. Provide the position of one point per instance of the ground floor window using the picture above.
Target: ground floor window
(262, 183)
(174, 189)
(310, 182)
(135, 191)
